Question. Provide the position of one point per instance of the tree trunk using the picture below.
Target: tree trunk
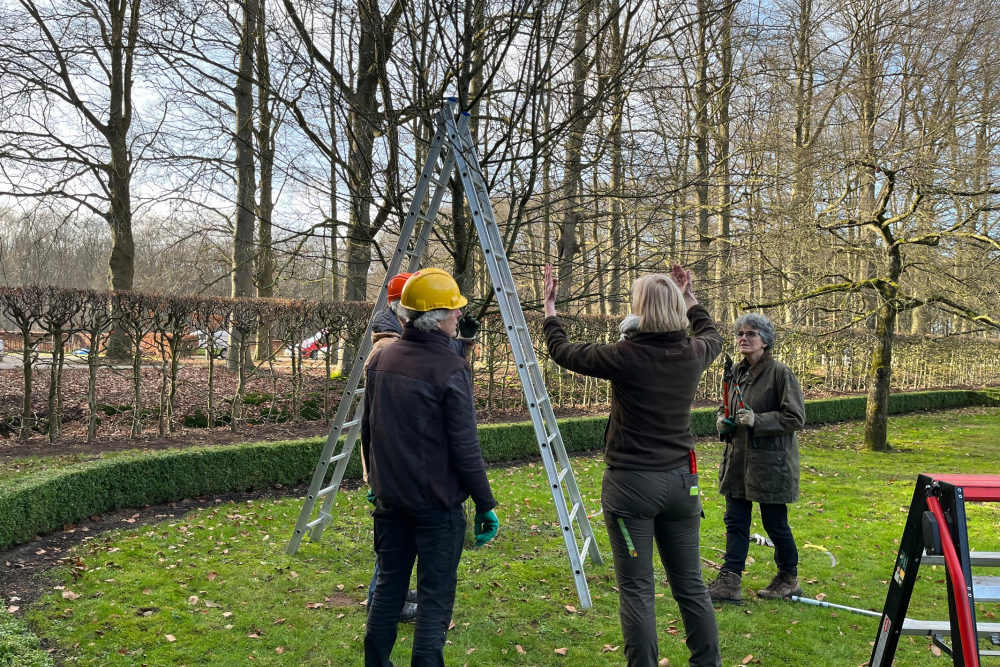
(242, 259)
(265, 143)
(880, 383)
(617, 180)
(579, 119)
(121, 264)
(27, 420)
(702, 128)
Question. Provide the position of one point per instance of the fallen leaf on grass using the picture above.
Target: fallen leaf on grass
(193, 599)
(469, 652)
(170, 638)
(571, 609)
(936, 651)
(562, 651)
(314, 605)
(279, 650)
(746, 660)
(520, 649)
(147, 591)
(279, 621)
(212, 576)
(821, 596)
(227, 614)
(69, 595)
(13, 608)
(451, 625)
(664, 663)
(608, 648)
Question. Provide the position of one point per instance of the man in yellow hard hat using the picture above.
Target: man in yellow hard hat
(422, 453)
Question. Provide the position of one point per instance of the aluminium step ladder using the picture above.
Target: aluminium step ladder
(935, 533)
(454, 146)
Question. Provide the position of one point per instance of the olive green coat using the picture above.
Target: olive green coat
(761, 464)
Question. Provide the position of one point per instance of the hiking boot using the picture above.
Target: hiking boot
(783, 586)
(411, 595)
(409, 612)
(727, 588)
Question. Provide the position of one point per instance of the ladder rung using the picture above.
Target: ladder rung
(586, 546)
(572, 514)
(410, 253)
(339, 456)
(562, 474)
(438, 182)
(322, 519)
(551, 438)
(323, 492)
(350, 424)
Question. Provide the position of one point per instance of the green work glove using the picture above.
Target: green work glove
(486, 525)
(371, 497)
(468, 327)
(724, 426)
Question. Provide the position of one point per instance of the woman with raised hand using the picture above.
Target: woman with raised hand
(650, 492)
(761, 461)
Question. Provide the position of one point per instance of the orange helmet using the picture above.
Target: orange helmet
(396, 286)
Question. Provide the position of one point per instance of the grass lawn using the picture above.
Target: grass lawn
(214, 587)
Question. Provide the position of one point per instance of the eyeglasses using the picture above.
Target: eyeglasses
(749, 335)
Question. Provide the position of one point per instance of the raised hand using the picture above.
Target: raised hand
(549, 292)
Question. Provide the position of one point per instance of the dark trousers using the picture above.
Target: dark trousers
(436, 536)
(662, 507)
(775, 519)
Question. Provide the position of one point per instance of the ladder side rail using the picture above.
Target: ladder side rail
(904, 576)
(406, 231)
(507, 312)
(519, 328)
(949, 503)
(350, 441)
(427, 177)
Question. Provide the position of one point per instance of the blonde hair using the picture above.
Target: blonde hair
(658, 302)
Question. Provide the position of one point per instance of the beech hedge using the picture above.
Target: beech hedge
(46, 501)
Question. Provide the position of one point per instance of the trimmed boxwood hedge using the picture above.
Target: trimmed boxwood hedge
(48, 500)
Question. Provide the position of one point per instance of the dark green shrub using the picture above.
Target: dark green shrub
(48, 500)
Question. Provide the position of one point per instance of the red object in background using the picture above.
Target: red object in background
(395, 287)
(694, 462)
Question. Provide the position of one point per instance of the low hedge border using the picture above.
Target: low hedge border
(46, 501)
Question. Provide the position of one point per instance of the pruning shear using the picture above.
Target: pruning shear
(729, 379)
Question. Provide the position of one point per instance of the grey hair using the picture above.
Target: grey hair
(397, 309)
(425, 321)
(763, 325)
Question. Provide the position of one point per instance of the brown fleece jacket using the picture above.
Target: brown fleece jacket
(654, 377)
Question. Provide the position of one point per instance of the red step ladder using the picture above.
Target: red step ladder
(935, 534)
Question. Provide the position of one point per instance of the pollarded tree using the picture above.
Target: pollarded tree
(908, 225)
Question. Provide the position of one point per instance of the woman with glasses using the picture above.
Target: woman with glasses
(761, 461)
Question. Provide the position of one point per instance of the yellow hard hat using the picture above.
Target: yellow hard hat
(428, 289)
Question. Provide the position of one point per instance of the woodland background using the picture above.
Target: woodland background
(832, 162)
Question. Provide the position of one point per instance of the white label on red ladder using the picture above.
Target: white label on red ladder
(883, 638)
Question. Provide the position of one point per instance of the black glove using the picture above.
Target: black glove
(468, 327)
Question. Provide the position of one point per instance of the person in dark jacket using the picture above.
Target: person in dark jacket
(387, 327)
(650, 492)
(421, 449)
(760, 463)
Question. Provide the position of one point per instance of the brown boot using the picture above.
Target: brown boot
(783, 586)
(727, 587)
